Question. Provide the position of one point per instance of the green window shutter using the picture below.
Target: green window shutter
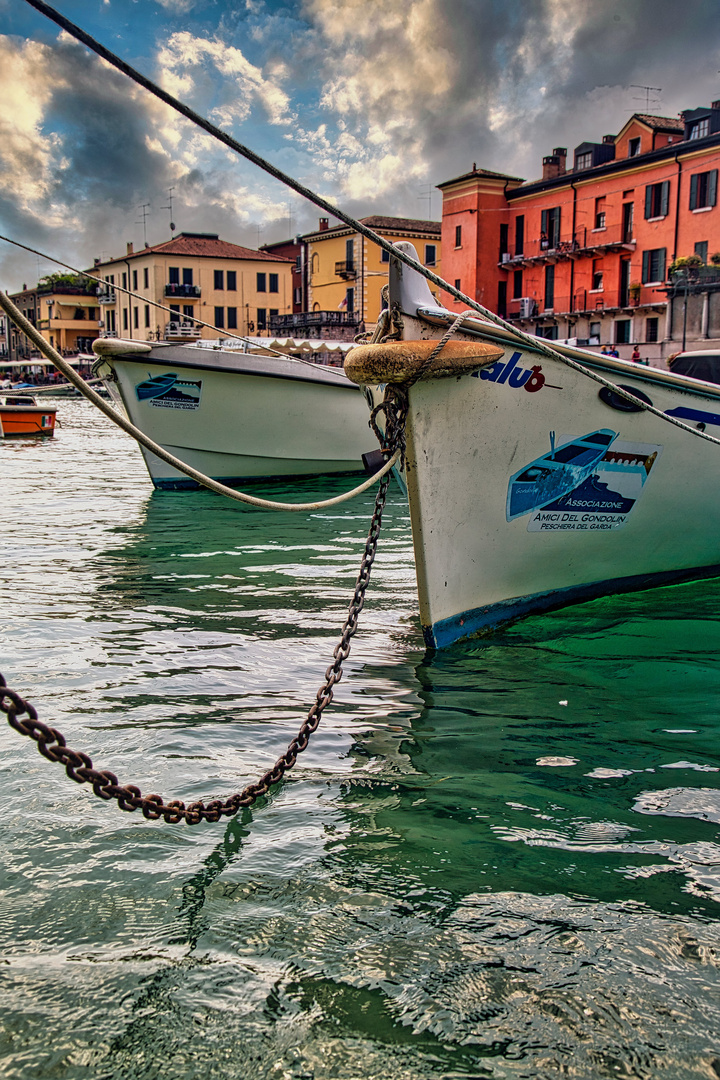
(646, 267)
(664, 197)
(648, 201)
(661, 259)
(712, 187)
(544, 222)
(693, 190)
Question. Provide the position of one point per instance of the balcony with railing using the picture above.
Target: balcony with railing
(307, 321)
(183, 331)
(582, 242)
(190, 292)
(582, 302)
(345, 270)
(106, 296)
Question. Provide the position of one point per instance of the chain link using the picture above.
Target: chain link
(105, 784)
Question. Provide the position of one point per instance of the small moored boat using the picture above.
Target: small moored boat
(236, 416)
(21, 415)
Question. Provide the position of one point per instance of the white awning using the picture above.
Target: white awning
(281, 344)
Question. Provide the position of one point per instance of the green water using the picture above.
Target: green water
(497, 861)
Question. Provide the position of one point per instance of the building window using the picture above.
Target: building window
(384, 255)
(700, 129)
(517, 284)
(584, 161)
(272, 312)
(136, 317)
(173, 275)
(262, 317)
(220, 318)
(298, 263)
(622, 332)
(124, 281)
(594, 333)
(651, 330)
(349, 254)
(634, 147)
(146, 278)
(653, 266)
(187, 275)
(550, 228)
(232, 318)
(430, 254)
(350, 300)
(600, 212)
(597, 273)
(147, 314)
(549, 287)
(188, 310)
(297, 296)
(458, 236)
(701, 249)
(218, 280)
(125, 316)
(703, 189)
(261, 284)
(504, 229)
(520, 234)
(135, 280)
(457, 284)
(549, 332)
(231, 283)
(656, 199)
(274, 287)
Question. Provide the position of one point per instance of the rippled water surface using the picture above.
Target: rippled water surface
(497, 861)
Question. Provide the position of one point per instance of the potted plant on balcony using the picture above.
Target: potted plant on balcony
(634, 292)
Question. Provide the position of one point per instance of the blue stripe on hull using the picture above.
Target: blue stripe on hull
(477, 620)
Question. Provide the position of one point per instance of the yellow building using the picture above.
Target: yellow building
(346, 272)
(196, 275)
(64, 308)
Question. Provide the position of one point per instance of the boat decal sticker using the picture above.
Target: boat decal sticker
(700, 417)
(169, 392)
(530, 379)
(584, 483)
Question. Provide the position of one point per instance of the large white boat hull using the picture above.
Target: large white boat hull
(237, 416)
(513, 511)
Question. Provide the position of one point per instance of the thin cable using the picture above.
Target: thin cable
(214, 485)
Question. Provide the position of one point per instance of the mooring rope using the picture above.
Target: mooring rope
(214, 485)
(537, 344)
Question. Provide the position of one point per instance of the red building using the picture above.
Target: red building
(588, 252)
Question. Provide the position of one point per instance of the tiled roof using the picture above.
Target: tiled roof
(479, 173)
(379, 223)
(661, 123)
(203, 244)
(400, 224)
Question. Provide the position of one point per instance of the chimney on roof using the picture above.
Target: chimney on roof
(715, 104)
(129, 247)
(609, 139)
(554, 164)
(324, 224)
(96, 261)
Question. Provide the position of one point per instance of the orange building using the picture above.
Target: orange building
(586, 253)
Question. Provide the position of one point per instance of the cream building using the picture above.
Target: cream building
(197, 276)
(346, 272)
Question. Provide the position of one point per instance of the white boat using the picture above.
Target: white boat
(236, 416)
(530, 486)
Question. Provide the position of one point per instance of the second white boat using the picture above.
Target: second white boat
(236, 416)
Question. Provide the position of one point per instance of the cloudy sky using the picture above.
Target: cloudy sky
(371, 103)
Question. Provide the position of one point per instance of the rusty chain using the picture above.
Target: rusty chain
(79, 767)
